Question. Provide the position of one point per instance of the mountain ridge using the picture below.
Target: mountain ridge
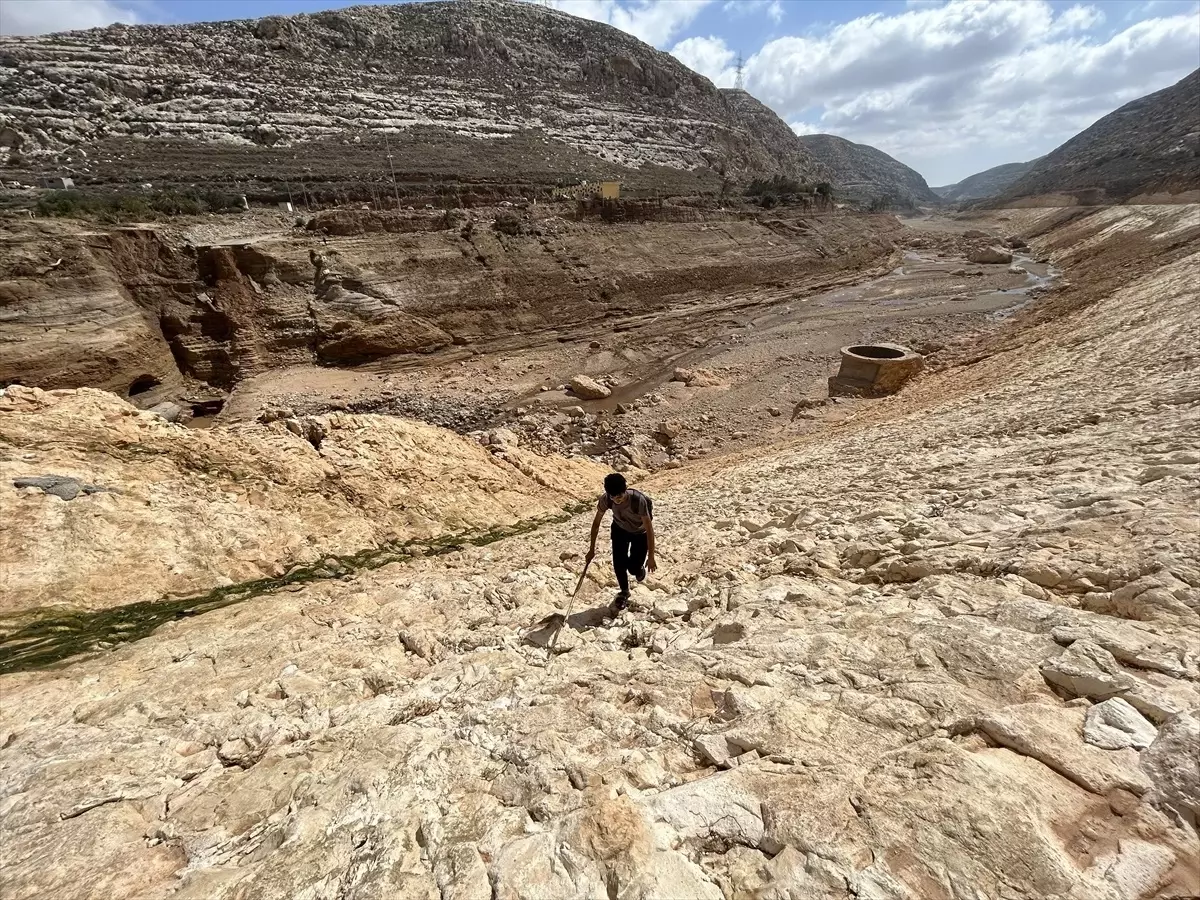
(983, 184)
(1149, 145)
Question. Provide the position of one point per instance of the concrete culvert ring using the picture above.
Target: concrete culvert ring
(876, 351)
(875, 370)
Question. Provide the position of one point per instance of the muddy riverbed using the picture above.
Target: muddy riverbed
(763, 349)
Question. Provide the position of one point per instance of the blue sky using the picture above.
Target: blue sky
(949, 87)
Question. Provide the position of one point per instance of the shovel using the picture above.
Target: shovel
(558, 620)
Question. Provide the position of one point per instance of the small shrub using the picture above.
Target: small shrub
(113, 208)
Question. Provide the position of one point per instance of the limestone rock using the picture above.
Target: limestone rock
(696, 377)
(1172, 763)
(189, 490)
(588, 388)
(1115, 725)
(172, 412)
(993, 255)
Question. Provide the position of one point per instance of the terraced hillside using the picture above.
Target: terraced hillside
(864, 174)
(487, 93)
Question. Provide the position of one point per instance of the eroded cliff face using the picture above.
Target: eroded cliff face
(69, 320)
(150, 314)
(945, 649)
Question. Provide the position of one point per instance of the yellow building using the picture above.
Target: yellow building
(610, 190)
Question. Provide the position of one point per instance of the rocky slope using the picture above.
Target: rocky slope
(488, 92)
(1148, 146)
(759, 119)
(946, 650)
(862, 173)
(196, 509)
(988, 183)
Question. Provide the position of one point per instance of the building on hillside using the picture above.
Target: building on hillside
(610, 190)
(58, 182)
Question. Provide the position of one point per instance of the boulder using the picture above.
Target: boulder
(990, 255)
(1171, 762)
(167, 410)
(667, 430)
(503, 437)
(696, 377)
(1115, 725)
(587, 388)
(310, 428)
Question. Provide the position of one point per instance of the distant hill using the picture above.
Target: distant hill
(982, 185)
(1150, 145)
(861, 173)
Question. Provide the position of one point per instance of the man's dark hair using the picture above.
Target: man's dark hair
(614, 484)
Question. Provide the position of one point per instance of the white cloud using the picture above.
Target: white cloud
(1078, 18)
(959, 87)
(43, 16)
(709, 56)
(653, 21)
(805, 128)
(772, 9)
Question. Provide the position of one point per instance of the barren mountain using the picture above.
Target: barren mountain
(1151, 145)
(981, 185)
(486, 92)
(862, 173)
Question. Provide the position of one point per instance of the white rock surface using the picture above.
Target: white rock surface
(1115, 725)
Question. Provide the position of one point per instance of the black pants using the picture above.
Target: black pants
(629, 554)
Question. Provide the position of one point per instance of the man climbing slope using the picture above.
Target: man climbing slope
(632, 533)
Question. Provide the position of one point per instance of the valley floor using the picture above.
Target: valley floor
(945, 646)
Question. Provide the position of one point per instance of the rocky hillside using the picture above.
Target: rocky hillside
(489, 92)
(755, 117)
(1151, 145)
(862, 174)
(982, 185)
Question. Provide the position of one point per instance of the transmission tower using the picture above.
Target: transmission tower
(739, 80)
